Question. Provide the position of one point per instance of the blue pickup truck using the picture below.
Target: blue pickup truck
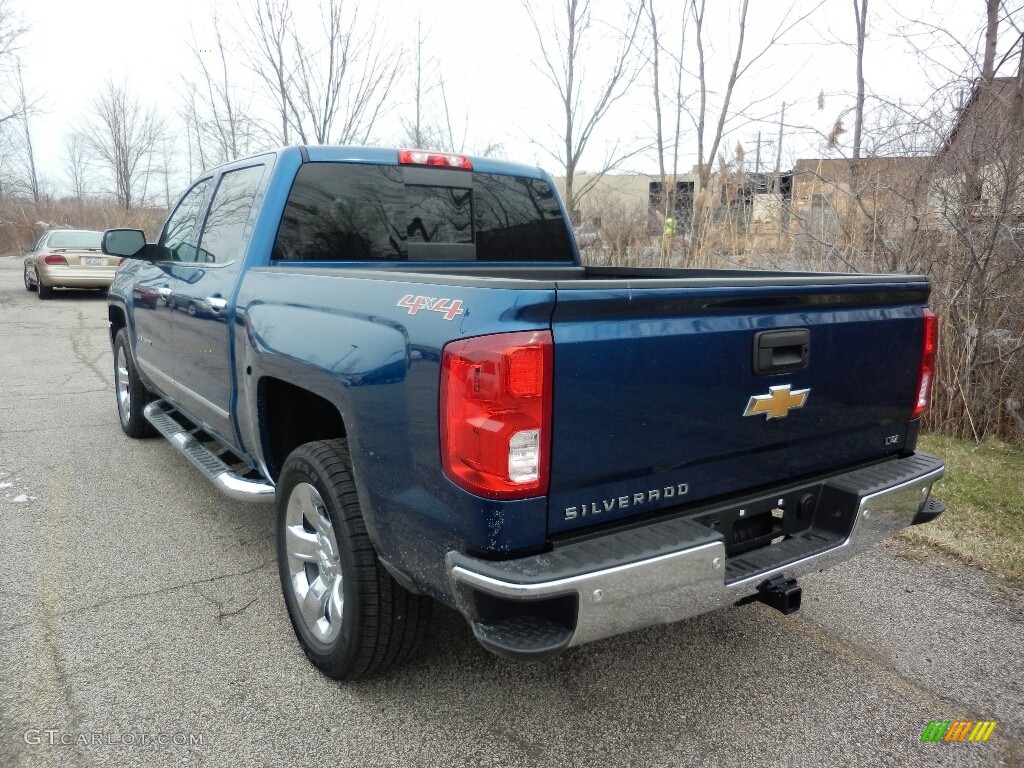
(402, 351)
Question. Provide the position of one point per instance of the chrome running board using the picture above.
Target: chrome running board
(228, 482)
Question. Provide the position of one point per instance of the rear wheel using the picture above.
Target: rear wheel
(350, 615)
(29, 285)
(45, 291)
(131, 393)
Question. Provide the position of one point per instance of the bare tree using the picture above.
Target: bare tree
(655, 63)
(431, 125)
(711, 118)
(327, 86)
(418, 132)
(267, 26)
(166, 167)
(219, 114)
(12, 28)
(11, 109)
(343, 85)
(28, 153)
(77, 166)
(564, 38)
(123, 133)
(190, 114)
(860, 14)
(675, 101)
(718, 115)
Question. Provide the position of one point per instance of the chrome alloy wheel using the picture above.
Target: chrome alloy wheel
(122, 385)
(314, 567)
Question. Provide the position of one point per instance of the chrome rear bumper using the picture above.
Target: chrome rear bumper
(616, 593)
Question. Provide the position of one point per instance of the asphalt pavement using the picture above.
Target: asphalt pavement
(142, 624)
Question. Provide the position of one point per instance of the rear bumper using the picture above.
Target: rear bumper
(57, 276)
(674, 569)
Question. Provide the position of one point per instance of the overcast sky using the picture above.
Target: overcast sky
(486, 51)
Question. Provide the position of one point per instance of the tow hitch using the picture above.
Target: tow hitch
(778, 592)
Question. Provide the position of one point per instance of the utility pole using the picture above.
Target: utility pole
(778, 156)
(757, 156)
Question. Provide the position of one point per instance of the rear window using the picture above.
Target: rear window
(73, 239)
(350, 212)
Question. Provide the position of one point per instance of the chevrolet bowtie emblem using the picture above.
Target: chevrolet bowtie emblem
(777, 403)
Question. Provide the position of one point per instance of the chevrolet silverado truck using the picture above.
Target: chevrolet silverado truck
(403, 352)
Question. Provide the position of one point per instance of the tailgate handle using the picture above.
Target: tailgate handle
(788, 349)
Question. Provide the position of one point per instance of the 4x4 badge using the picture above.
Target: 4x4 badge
(777, 403)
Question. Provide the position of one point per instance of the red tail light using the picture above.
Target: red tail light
(424, 157)
(929, 346)
(55, 260)
(496, 414)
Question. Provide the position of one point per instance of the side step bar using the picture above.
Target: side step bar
(220, 474)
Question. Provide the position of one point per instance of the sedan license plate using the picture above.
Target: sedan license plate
(92, 261)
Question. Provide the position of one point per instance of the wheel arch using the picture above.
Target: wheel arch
(291, 416)
(117, 319)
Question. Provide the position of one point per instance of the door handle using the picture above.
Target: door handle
(788, 349)
(217, 303)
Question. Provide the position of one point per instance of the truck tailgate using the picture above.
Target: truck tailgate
(652, 383)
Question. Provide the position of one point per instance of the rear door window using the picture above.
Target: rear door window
(355, 212)
(228, 224)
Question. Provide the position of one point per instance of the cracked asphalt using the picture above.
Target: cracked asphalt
(141, 624)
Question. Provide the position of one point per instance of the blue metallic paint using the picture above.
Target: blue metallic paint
(645, 384)
(388, 397)
(665, 397)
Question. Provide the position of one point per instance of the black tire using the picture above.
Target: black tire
(45, 291)
(379, 623)
(29, 285)
(130, 393)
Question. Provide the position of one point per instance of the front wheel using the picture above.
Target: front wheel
(349, 614)
(131, 393)
(29, 285)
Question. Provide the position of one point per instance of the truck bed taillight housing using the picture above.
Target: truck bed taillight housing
(496, 414)
(929, 346)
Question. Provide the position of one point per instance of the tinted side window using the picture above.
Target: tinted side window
(338, 212)
(354, 212)
(227, 229)
(181, 230)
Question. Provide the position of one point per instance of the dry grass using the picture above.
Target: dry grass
(983, 490)
(22, 221)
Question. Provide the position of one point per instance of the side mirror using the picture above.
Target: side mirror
(26, 249)
(123, 242)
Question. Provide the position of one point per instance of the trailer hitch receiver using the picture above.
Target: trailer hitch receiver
(779, 592)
